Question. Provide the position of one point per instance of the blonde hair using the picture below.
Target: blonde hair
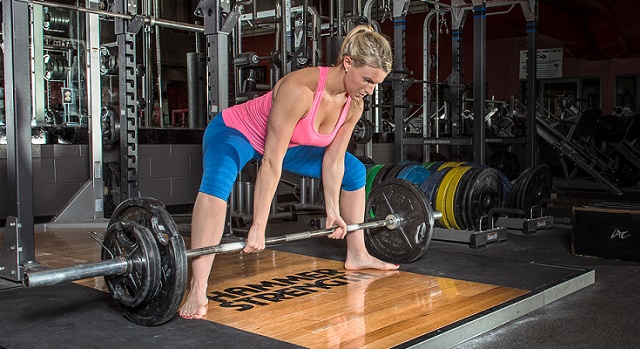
(367, 47)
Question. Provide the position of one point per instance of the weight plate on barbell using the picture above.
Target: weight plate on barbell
(136, 244)
(150, 213)
(410, 239)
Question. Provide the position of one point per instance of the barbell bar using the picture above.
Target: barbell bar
(121, 265)
(390, 222)
(145, 263)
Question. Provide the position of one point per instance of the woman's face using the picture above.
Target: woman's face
(360, 81)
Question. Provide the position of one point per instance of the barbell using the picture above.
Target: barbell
(144, 259)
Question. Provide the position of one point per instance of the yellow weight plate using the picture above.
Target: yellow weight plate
(451, 195)
(441, 198)
(450, 164)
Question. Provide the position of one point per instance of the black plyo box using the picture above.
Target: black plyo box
(607, 230)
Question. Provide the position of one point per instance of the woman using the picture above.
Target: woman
(302, 126)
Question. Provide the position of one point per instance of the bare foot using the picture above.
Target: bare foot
(358, 262)
(195, 306)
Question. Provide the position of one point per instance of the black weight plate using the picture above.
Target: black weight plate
(516, 189)
(538, 187)
(366, 160)
(408, 241)
(485, 193)
(430, 185)
(137, 245)
(363, 131)
(506, 189)
(393, 171)
(152, 215)
(381, 175)
(503, 127)
(507, 163)
(506, 183)
(462, 214)
(521, 198)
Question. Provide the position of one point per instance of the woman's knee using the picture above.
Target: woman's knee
(355, 174)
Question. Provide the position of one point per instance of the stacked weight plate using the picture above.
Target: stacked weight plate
(533, 185)
(464, 192)
(411, 171)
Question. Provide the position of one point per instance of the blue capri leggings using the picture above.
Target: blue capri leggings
(226, 151)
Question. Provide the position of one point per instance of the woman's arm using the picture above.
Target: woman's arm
(333, 169)
(291, 101)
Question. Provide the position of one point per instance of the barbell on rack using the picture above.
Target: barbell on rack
(144, 259)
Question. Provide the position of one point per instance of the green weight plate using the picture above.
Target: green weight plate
(371, 174)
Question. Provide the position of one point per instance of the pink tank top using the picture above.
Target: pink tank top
(250, 119)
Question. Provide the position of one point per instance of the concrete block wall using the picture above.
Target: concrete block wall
(170, 173)
(58, 172)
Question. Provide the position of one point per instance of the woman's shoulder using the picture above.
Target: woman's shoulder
(304, 76)
(299, 82)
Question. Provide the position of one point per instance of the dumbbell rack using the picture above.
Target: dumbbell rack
(475, 239)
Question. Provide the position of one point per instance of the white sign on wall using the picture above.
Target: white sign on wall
(549, 63)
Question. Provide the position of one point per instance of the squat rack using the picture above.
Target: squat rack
(18, 248)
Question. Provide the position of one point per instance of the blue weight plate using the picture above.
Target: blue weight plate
(430, 185)
(414, 173)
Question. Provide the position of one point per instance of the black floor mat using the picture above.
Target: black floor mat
(75, 316)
